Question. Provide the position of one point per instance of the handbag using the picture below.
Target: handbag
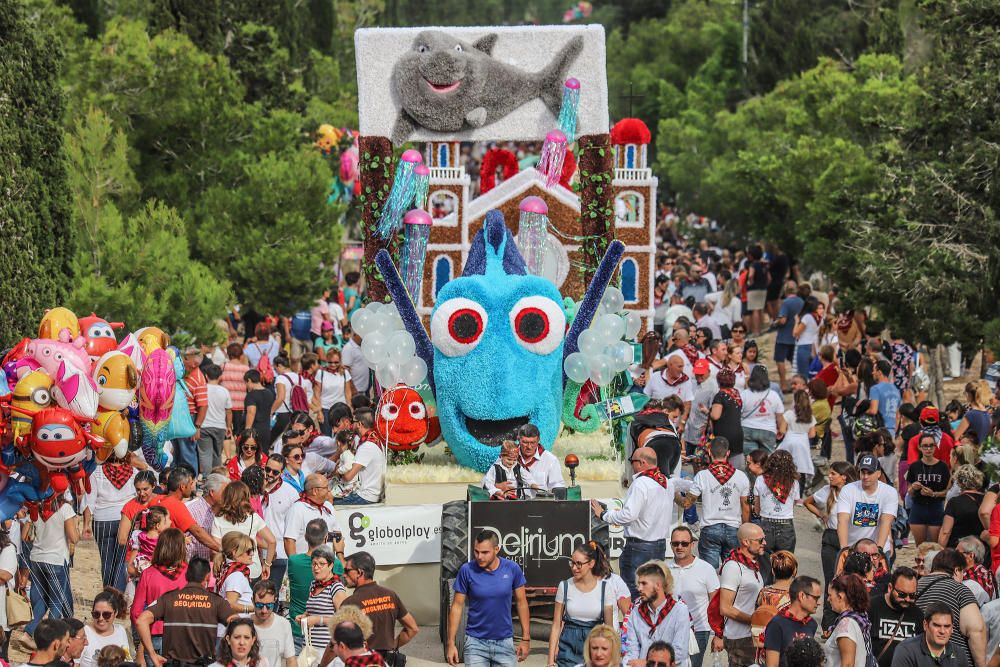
(18, 609)
(309, 655)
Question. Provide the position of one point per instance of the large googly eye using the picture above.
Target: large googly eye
(417, 411)
(458, 47)
(423, 48)
(539, 324)
(41, 396)
(389, 412)
(457, 326)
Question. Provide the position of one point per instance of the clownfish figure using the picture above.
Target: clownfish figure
(402, 420)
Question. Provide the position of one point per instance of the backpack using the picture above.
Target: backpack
(264, 367)
(299, 400)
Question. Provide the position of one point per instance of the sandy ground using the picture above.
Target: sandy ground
(426, 648)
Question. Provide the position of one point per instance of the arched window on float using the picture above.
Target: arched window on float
(442, 273)
(443, 155)
(443, 205)
(630, 209)
(630, 156)
(630, 280)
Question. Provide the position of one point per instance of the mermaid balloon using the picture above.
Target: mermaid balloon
(156, 401)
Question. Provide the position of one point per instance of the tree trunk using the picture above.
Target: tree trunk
(936, 374)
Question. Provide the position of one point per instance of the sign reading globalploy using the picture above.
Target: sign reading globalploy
(393, 535)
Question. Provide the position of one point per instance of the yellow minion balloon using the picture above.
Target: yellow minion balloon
(32, 393)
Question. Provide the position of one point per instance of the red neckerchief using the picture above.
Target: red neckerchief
(744, 560)
(375, 437)
(844, 321)
(723, 471)
(646, 613)
(655, 475)
(715, 363)
(780, 491)
(323, 509)
(317, 587)
(250, 663)
(534, 459)
(118, 473)
(265, 496)
(370, 659)
(733, 393)
(171, 572)
(232, 567)
(981, 576)
(691, 352)
(787, 614)
(673, 383)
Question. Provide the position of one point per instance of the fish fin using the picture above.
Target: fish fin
(403, 128)
(433, 430)
(394, 284)
(486, 43)
(551, 79)
(476, 117)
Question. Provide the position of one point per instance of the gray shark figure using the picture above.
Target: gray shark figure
(445, 84)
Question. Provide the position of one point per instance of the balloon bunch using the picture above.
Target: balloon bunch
(73, 405)
(603, 354)
(330, 140)
(387, 346)
(580, 10)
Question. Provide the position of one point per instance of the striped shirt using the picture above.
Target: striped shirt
(937, 587)
(197, 393)
(232, 380)
(322, 604)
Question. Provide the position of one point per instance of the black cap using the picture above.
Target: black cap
(868, 462)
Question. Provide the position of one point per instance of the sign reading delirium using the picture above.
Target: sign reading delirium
(397, 535)
(541, 543)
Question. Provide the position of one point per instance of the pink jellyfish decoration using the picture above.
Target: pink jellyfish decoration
(533, 233)
(401, 195)
(423, 175)
(416, 231)
(569, 108)
(553, 154)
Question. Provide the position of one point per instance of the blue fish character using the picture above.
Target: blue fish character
(497, 343)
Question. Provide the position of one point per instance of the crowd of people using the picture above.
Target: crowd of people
(233, 556)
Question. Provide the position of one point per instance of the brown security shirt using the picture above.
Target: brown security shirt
(190, 617)
(384, 608)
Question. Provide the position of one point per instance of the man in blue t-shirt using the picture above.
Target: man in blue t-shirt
(884, 395)
(301, 339)
(784, 343)
(489, 582)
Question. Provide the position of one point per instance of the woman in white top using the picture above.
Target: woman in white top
(232, 572)
(239, 646)
(734, 362)
(806, 332)
(775, 493)
(235, 513)
(849, 644)
(331, 385)
(763, 415)
(801, 427)
(102, 631)
(111, 487)
(582, 602)
(726, 304)
(823, 504)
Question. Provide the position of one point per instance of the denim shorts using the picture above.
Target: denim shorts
(784, 352)
(927, 515)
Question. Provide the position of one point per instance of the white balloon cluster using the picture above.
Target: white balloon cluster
(603, 354)
(387, 346)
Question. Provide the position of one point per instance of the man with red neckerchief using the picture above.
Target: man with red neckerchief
(646, 515)
(313, 503)
(657, 617)
(740, 583)
(540, 468)
(793, 622)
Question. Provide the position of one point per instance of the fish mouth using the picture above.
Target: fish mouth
(442, 88)
(494, 431)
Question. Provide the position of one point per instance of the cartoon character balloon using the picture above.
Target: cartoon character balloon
(402, 420)
(99, 335)
(156, 400)
(56, 321)
(117, 378)
(32, 393)
(61, 450)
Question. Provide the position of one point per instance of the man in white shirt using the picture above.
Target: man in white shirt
(695, 581)
(280, 496)
(274, 632)
(658, 616)
(355, 362)
(49, 564)
(724, 493)
(369, 463)
(867, 508)
(718, 352)
(740, 582)
(314, 504)
(646, 515)
(705, 390)
(672, 381)
(541, 469)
